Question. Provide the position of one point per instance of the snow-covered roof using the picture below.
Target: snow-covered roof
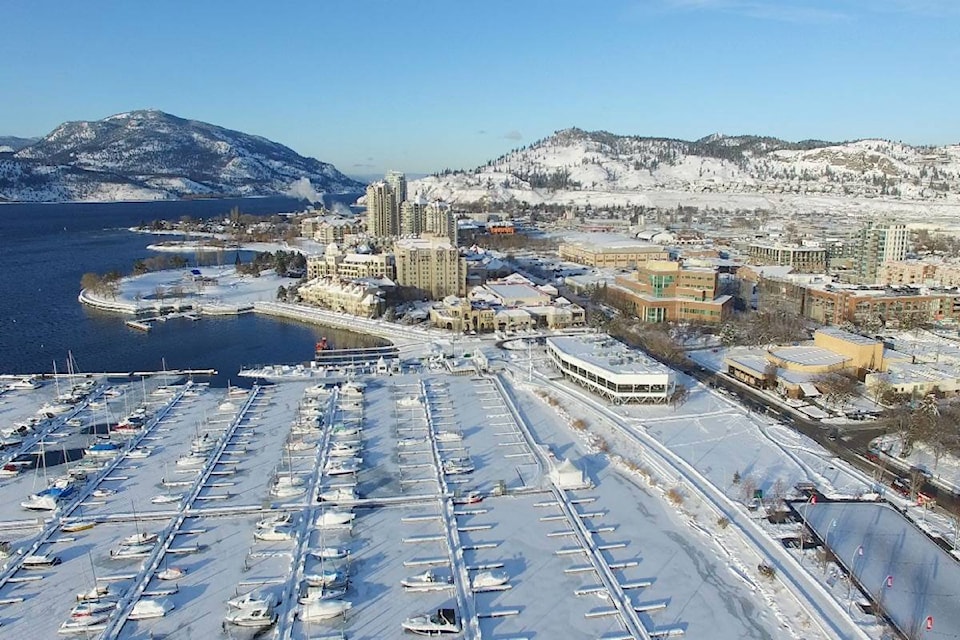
(809, 356)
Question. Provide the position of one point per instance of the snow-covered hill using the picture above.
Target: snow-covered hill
(9, 144)
(579, 167)
(150, 155)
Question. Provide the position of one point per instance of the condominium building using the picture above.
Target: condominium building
(433, 266)
(383, 211)
(343, 295)
(662, 290)
(802, 258)
(335, 263)
(879, 242)
(440, 222)
(620, 255)
(398, 184)
(413, 216)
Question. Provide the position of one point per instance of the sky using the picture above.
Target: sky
(424, 85)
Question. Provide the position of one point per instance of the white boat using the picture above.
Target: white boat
(171, 573)
(286, 490)
(457, 466)
(92, 608)
(141, 537)
(341, 466)
(167, 498)
(259, 617)
(95, 593)
(192, 460)
(410, 442)
(84, 625)
(10, 470)
(487, 579)
(255, 599)
(272, 535)
(323, 610)
(325, 578)
(300, 445)
(102, 493)
(329, 519)
(275, 521)
(344, 432)
(150, 608)
(427, 581)
(340, 494)
(442, 622)
(139, 453)
(131, 551)
(447, 436)
(343, 450)
(329, 553)
(28, 383)
(40, 561)
(316, 594)
(471, 497)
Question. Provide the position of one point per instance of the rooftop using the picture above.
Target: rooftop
(609, 354)
(808, 356)
(847, 336)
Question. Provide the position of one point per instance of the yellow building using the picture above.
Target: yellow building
(335, 263)
(432, 266)
(623, 255)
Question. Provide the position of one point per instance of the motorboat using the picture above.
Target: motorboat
(40, 561)
(138, 453)
(171, 573)
(28, 383)
(343, 450)
(255, 599)
(447, 436)
(259, 617)
(272, 535)
(329, 519)
(48, 499)
(287, 490)
(102, 450)
(344, 431)
(330, 553)
(316, 594)
(432, 624)
(131, 551)
(10, 470)
(300, 445)
(102, 493)
(325, 578)
(427, 581)
(342, 466)
(94, 594)
(489, 579)
(471, 497)
(141, 537)
(323, 610)
(125, 429)
(457, 466)
(92, 608)
(167, 498)
(410, 442)
(275, 521)
(150, 608)
(340, 494)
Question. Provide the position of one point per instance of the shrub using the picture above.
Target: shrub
(723, 523)
(579, 424)
(767, 571)
(675, 496)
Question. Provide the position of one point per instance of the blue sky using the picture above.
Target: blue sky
(419, 86)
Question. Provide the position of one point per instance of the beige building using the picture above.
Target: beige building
(433, 266)
(383, 210)
(665, 291)
(335, 263)
(802, 259)
(623, 255)
(343, 295)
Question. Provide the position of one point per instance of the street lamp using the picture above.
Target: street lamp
(857, 553)
(826, 544)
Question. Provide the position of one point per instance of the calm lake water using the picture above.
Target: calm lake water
(46, 248)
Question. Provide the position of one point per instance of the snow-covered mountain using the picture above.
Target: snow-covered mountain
(152, 155)
(575, 166)
(9, 144)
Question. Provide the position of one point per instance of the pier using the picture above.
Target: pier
(357, 356)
